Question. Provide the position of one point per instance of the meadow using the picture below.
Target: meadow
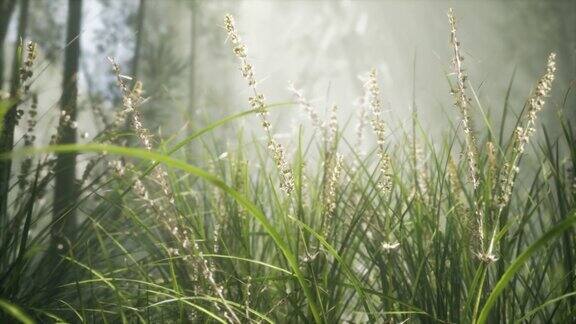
(474, 227)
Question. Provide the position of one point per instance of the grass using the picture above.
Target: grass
(415, 230)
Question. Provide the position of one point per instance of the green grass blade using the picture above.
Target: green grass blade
(515, 266)
(15, 312)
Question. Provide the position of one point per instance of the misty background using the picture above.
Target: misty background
(178, 49)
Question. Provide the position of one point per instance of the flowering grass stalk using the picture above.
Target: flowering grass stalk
(258, 104)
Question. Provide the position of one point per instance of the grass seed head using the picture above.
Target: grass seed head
(462, 102)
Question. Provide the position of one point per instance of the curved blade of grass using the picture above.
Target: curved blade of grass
(178, 164)
(515, 266)
(174, 296)
(547, 303)
(185, 301)
(219, 123)
(49, 315)
(205, 130)
(207, 298)
(15, 312)
(94, 272)
(74, 311)
(221, 256)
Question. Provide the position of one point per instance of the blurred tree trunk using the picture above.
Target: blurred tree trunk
(192, 73)
(7, 136)
(139, 37)
(6, 9)
(193, 36)
(65, 191)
